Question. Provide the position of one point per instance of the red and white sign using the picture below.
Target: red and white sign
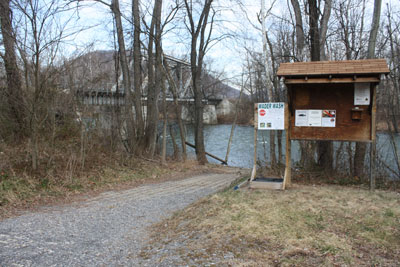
(271, 116)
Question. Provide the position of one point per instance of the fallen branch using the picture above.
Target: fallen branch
(208, 154)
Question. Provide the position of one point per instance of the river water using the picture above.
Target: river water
(242, 148)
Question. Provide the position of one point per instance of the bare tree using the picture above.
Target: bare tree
(271, 95)
(350, 27)
(361, 148)
(298, 29)
(137, 59)
(391, 97)
(178, 108)
(325, 148)
(200, 32)
(154, 77)
(42, 31)
(126, 78)
(374, 28)
(15, 107)
(324, 26)
(317, 37)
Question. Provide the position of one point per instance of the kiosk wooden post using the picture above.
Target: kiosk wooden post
(287, 178)
(372, 147)
(253, 172)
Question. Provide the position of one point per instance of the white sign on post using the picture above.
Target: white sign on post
(271, 116)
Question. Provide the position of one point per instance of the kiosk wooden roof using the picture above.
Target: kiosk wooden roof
(346, 71)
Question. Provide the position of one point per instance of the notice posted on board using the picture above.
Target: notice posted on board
(315, 118)
(362, 94)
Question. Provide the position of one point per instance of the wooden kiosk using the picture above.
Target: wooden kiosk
(332, 100)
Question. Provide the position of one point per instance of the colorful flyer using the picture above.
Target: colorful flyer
(329, 118)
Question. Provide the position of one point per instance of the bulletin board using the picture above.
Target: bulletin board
(329, 111)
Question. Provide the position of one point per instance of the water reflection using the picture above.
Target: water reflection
(242, 147)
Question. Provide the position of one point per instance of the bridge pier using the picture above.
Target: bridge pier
(209, 114)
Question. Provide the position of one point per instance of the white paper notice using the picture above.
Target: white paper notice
(301, 118)
(315, 117)
(362, 94)
(328, 118)
(271, 116)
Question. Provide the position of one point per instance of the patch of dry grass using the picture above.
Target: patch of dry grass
(306, 225)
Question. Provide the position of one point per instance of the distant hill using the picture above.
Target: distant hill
(215, 88)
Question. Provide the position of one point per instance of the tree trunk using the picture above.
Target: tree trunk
(299, 29)
(324, 26)
(325, 148)
(359, 159)
(174, 145)
(125, 77)
(154, 78)
(199, 125)
(270, 96)
(15, 110)
(178, 109)
(234, 123)
(361, 148)
(199, 46)
(314, 31)
(374, 28)
(165, 122)
(137, 59)
(280, 151)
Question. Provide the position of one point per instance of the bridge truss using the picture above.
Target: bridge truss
(115, 94)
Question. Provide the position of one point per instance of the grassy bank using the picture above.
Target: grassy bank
(304, 226)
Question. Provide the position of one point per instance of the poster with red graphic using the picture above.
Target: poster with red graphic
(328, 118)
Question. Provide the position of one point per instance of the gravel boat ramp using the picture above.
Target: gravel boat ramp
(107, 230)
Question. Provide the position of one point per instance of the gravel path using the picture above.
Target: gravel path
(106, 230)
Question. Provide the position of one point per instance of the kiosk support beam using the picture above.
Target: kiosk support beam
(253, 172)
(287, 179)
(372, 149)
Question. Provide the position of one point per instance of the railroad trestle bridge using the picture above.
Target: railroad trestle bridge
(180, 72)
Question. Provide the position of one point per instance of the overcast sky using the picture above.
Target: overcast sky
(226, 55)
